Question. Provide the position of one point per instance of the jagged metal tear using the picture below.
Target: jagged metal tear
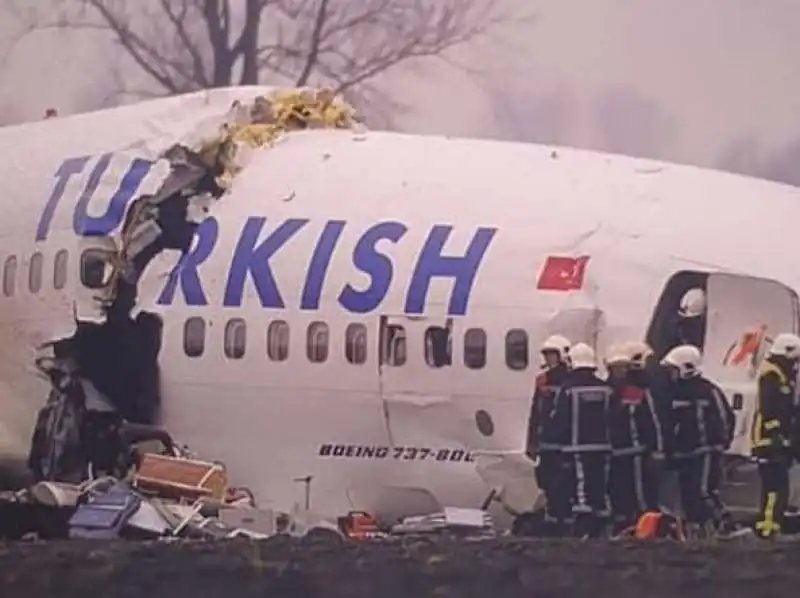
(112, 361)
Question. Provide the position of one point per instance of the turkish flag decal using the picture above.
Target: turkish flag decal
(562, 273)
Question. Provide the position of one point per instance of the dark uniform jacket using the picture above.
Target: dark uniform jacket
(635, 424)
(580, 421)
(548, 384)
(774, 420)
(701, 420)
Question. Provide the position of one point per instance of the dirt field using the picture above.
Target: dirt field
(417, 568)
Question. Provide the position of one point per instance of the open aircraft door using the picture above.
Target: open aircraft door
(416, 379)
(744, 315)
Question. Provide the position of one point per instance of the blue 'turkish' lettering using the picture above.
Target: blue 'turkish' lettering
(431, 263)
(124, 190)
(68, 168)
(185, 270)
(252, 257)
(375, 264)
(247, 257)
(86, 225)
(318, 266)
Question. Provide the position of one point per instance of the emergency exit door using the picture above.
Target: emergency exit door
(744, 314)
(416, 358)
(424, 423)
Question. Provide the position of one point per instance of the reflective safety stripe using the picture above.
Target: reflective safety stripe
(757, 438)
(631, 450)
(580, 448)
(769, 442)
(767, 525)
(549, 447)
(698, 451)
(771, 368)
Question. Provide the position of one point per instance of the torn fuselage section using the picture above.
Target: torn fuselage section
(110, 364)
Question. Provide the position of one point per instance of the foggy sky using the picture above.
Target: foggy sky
(706, 82)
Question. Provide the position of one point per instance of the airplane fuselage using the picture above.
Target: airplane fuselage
(366, 312)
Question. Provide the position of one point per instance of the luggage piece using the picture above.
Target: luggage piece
(105, 515)
(172, 477)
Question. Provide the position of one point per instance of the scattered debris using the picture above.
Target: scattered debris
(168, 496)
(457, 521)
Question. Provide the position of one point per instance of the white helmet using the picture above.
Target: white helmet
(693, 303)
(582, 356)
(638, 352)
(686, 358)
(786, 345)
(557, 343)
(617, 355)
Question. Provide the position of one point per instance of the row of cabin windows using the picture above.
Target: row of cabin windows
(438, 344)
(93, 271)
(35, 272)
(438, 340)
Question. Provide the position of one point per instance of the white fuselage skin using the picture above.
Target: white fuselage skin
(639, 221)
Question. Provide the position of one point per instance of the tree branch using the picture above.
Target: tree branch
(178, 20)
(315, 42)
(342, 43)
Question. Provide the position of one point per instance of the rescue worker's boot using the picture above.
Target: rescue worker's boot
(768, 525)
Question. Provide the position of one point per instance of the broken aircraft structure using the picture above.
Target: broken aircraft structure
(111, 360)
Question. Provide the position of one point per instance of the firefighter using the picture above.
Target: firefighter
(635, 437)
(772, 429)
(701, 429)
(554, 352)
(640, 354)
(690, 328)
(579, 424)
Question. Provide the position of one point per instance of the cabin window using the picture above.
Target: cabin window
(317, 342)
(60, 269)
(35, 273)
(235, 338)
(93, 268)
(475, 348)
(438, 347)
(9, 275)
(355, 348)
(517, 349)
(395, 345)
(278, 341)
(194, 337)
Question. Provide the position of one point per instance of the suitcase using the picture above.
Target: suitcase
(181, 479)
(105, 515)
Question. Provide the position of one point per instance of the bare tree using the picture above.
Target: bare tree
(185, 45)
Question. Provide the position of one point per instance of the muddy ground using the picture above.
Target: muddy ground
(280, 568)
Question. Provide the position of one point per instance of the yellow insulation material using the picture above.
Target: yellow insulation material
(268, 118)
(256, 125)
